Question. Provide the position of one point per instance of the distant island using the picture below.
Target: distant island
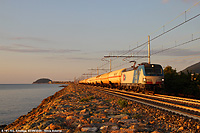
(49, 81)
(42, 81)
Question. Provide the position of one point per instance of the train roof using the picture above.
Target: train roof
(142, 64)
(151, 65)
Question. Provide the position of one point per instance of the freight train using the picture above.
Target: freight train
(143, 78)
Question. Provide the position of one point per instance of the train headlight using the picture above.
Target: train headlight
(163, 80)
(145, 80)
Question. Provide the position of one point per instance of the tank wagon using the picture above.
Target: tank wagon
(144, 77)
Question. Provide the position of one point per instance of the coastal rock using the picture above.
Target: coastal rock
(104, 128)
(180, 129)
(121, 116)
(89, 129)
(82, 108)
(52, 126)
(155, 132)
(82, 111)
(128, 121)
(115, 127)
(135, 126)
(113, 120)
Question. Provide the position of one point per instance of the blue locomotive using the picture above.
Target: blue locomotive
(145, 77)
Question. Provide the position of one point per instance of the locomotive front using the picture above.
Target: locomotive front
(152, 77)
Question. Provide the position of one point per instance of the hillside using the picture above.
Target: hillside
(193, 68)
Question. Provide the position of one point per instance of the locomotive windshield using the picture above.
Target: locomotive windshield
(153, 70)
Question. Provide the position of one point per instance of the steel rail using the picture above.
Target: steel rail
(179, 98)
(158, 103)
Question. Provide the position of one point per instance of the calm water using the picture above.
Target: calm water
(19, 99)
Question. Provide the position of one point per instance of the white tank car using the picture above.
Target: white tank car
(91, 80)
(114, 77)
(104, 78)
(98, 79)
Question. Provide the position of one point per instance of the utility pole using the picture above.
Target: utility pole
(108, 61)
(86, 74)
(110, 65)
(149, 50)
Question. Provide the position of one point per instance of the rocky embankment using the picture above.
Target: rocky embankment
(80, 108)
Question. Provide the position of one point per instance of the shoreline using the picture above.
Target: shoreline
(83, 108)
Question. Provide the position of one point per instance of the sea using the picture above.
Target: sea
(19, 99)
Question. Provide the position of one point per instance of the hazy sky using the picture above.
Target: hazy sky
(62, 39)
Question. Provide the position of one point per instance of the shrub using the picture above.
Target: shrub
(136, 116)
(122, 103)
(86, 99)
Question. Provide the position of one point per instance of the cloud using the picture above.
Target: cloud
(30, 38)
(20, 48)
(22, 45)
(82, 58)
(167, 1)
(194, 1)
(72, 58)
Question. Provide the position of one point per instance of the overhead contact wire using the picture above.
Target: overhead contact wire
(165, 33)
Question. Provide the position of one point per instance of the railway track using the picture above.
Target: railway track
(183, 106)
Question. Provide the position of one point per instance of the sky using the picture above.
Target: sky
(61, 40)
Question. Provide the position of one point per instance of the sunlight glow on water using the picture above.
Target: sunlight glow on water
(19, 99)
